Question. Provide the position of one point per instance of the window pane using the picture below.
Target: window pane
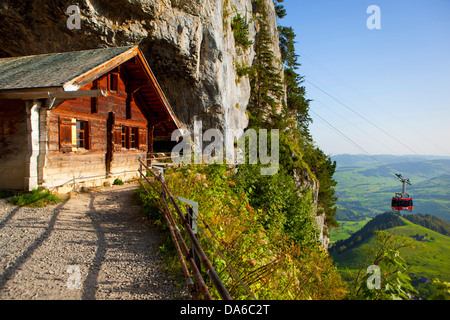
(80, 140)
(80, 125)
(133, 138)
(124, 137)
(81, 134)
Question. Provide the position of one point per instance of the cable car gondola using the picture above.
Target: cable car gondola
(402, 201)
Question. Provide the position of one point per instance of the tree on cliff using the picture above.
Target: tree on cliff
(278, 101)
(297, 106)
(265, 78)
(297, 111)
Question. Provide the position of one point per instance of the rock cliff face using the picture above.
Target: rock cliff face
(189, 45)
(306, 182)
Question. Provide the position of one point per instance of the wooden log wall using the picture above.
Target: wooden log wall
(64, 162)
(82, 109)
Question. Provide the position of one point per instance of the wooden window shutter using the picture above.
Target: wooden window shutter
(65, 134)
(117, 138)
(142, 139)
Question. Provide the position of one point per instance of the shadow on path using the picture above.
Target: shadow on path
(9, 272)
(91, 281)
(9, 217)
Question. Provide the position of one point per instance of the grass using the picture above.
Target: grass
(346, 229)
(432, 258)
(36, 198)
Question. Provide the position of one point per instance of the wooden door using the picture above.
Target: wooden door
(109, 141)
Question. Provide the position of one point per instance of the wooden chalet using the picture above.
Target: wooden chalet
(83, 117)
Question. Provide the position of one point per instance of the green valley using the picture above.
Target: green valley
(427, 259)
(365, 187)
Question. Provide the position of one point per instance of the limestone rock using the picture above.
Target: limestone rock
(189, 45)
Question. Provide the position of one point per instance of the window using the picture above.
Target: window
(134, 138)
(73, 135)
(124, 137)
(94, 100)
(113, 82)
(82, 134)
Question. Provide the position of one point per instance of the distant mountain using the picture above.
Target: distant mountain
(362, 160)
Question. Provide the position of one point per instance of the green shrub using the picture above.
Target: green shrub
(241, 32)
(277, 259)
(118, 182)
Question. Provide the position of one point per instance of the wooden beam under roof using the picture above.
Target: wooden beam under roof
(35, 95)
(154, 82)
(94, 73)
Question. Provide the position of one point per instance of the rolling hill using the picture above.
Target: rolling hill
(429, 259)
(365, 188)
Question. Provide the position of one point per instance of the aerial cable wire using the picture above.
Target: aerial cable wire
(359, 147)
(379, 128)
(366, 119)
(353, 142)
(348, 85)
(351, 123)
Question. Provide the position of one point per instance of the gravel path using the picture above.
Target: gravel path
(95, 245)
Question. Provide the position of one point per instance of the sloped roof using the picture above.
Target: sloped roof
(52, 70)
(70, 71)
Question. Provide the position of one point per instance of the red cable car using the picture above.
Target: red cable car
(402, 201)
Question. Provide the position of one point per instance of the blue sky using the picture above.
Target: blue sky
(386, 90)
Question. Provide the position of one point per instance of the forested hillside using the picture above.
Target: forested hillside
(421, 252)
(380, 222)
(430, 222)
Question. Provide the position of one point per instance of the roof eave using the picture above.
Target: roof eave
(161, 94)
(91, 75)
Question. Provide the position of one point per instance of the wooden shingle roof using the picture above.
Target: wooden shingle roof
(70, 71)
(52, 70)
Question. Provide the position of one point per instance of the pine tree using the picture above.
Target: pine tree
(279, 9)
(296, 116)
(265, 78)
(297, 106)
